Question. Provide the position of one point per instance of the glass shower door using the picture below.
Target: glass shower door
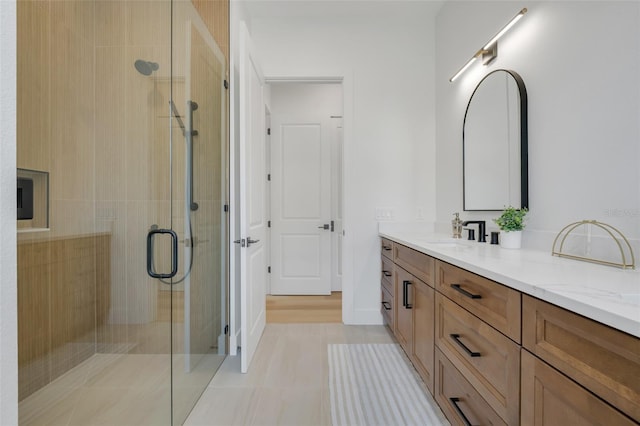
(199, 186)
(121, 269)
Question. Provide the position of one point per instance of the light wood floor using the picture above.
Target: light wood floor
(288, 380)
(305, 309)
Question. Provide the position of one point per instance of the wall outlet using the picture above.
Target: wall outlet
(383, 213)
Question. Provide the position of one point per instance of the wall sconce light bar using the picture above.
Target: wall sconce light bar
(490, 50)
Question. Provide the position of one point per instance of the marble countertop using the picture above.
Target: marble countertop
(603, 293)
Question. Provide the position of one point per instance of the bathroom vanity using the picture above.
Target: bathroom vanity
(514, 336)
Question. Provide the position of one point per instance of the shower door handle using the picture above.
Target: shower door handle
(174, 253)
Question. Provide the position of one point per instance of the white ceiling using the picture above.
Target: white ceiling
(260, 9)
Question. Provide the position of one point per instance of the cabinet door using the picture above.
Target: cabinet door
(604, 360)
(423, 331)
(404, 301)
(550, 398)
(458, 399)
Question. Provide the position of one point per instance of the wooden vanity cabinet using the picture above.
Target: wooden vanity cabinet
(387, 308)
(404, 296)
(491, 355)
(460, 402)
(415, 322)
(599, 358)
(413, 299)
(497, 305)
(386, 247)
(488, 359)
(418, 264)
(552, 399)
(387, 280)
(423, 332)
(478, 332)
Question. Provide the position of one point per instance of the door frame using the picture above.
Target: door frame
(329, 168)
(345, 78)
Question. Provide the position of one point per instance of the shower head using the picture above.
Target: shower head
(146, 67)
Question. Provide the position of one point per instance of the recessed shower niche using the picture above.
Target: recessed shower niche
(32, 200)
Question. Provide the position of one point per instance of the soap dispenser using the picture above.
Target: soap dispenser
(456, 226)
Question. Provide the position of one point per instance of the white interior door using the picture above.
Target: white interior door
(253, 253)
(302, 135)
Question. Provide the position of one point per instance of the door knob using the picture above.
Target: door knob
(325, 226)
(250, 241)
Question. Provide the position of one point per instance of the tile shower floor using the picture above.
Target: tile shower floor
(117, 389)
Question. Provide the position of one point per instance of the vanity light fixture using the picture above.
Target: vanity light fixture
(490, 50)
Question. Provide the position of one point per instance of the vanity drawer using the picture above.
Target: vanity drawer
(387, 307)
(600, 358)
(495, 304)
(486, 358)
(459, 401)
(388, 285)
(387, 269)
(418, 264)
(386, 247)
(550, 398)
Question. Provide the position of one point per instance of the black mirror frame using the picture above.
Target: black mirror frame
(524, 140)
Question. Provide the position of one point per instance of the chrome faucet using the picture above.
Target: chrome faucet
(481, 229)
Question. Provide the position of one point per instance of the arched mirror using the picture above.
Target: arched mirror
(494, 138)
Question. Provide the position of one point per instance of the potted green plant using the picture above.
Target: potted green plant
(511, 224)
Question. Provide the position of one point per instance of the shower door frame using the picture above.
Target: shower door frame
(195, 25)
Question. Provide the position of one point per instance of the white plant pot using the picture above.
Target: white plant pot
(511, 239)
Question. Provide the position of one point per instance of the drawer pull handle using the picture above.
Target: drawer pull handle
(457, 288)
(387, 273)
(405, 294)
(386, 248)
(456, 338)
(386, 306)
(454, 402)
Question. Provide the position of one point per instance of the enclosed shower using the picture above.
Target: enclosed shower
(122, 259)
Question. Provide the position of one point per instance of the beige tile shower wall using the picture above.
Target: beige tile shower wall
(56, 108)
(71, 179)
(132, 156)
(215, 14)
(34, 41)
(34, 75)
(59, 275)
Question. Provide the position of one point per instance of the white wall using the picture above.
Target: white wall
(387, 60)
(580, 62)
(8, 259)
